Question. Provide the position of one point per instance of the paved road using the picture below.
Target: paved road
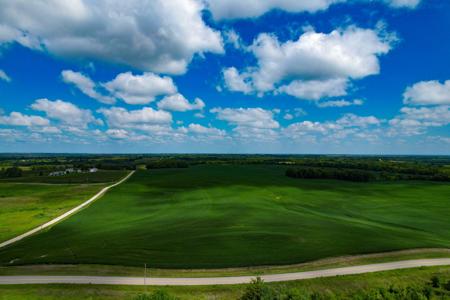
(65, 215)
(224, 280)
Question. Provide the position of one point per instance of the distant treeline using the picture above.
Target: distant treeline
(328, 173)
(359, 175)
(166, 163)
(436, 168)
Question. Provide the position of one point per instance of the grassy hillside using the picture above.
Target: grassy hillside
(229, 216)
(25, 206)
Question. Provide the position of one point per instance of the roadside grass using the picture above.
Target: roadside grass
(26, 206)
(111, 270)
(212, 216)
(343, 287)
(102, 176)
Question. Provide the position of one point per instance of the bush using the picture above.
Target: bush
(435, 282)
(258, 290)
(156, 295)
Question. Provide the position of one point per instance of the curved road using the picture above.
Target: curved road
(65, 215)
(224, 280)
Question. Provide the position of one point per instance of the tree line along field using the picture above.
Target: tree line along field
(213, 216)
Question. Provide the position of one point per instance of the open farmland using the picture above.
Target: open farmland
(234, 215)
(25, 206)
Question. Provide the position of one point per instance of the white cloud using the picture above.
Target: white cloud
(315, 89)
(350, 125)
(232, 37)
(199, 129)
(233, 9)
(403, 3)
(19, 119)
(428, 93)
(140, 89)
(178, 102)
(413, 121)
(288, 116)
(85, 85)
(236, 82)
(160, 36)
(117, 133)
(340, 103)
(352, 120)
(65, 112)
(315, 66)
(120, 117)
(4, 76)
(247, 117)
(343, 53)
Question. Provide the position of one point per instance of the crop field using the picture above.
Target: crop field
(213, 216)
(25, 206)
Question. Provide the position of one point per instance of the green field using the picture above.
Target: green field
(25, 206)
(231, 216)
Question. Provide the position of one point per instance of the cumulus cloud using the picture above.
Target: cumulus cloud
(343, 53)
(414, 120)
(403, 3)
(158, 35)
(203, 130)
(247, 117)
(65, 112)
(349, 125)
(428, 93)
(117, 133)
(178, 102)
(234, 9)
(340, 103)
(236, 82)
(19, 119)
(85, 85)
(4, 76)
(315, 89)
(120, 117)
(140, 89)
(315, 66)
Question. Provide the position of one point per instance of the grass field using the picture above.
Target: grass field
(342, 287)
(231, 216)
(25, 206)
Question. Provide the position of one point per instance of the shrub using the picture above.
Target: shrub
(435, 282)
(156, 295)
(258, 290)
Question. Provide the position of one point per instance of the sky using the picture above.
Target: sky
(225, 76)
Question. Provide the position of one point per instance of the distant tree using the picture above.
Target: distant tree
(12, 172)
(258, 290)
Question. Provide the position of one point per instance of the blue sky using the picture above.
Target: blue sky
(274, 76)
